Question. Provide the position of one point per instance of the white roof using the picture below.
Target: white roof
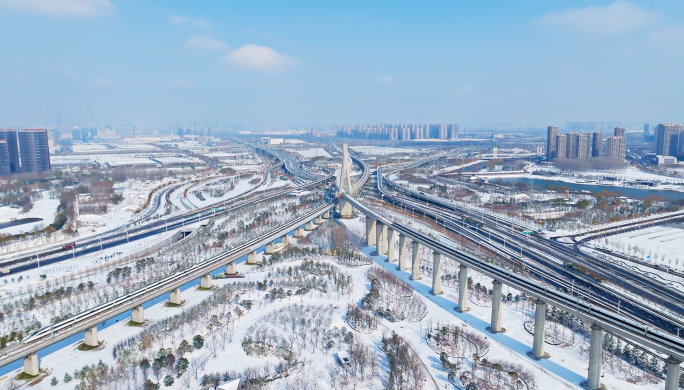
(232, 385)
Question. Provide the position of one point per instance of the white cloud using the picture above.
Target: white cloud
(73, 8)
(673, 35)
(668, 39)
(613, 19)
(99, 81)
(204, 43)
(385, 80)
(185, 21)
(260, 59)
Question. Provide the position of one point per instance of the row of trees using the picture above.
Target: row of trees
(406, 371)
(208, 326)
(446, 338)
(300, 327)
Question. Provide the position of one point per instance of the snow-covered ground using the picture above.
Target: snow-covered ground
(622, 175)
(31, 277)
(313, 152)
(241, 187)
(656, 245)
(244, 167)
(565, 369)
(44, 208)
(135, 193)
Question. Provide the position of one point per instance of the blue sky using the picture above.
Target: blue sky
(267, 63)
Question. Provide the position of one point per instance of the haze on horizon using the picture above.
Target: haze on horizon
(272, 63)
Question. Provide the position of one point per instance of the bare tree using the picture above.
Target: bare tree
(196, 366)
(213, 345)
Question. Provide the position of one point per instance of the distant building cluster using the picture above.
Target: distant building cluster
(403, 132)
(83, 134)
(583, 145)
(24, 151)
(200, 132)
(668, 139)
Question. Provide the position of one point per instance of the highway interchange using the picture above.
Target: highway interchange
(140, 227)
(545, 259)
(541, 258)
(52, 334)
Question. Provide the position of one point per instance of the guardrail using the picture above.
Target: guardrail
(229, 205)
(617, 324)
(54, 333)
(51, 334)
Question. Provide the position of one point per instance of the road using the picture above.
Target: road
(548, 258)
(142, 230)
(54, 333)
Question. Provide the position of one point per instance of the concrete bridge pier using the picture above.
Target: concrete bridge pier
(370, 231)
(318, 220)
(595, 357)
(298, 233)
(231, 269)
(383, 242)
(138, 315)
(390, 245)
(462, 288)
(415, 261)
(380, 238)
(309, 226)
(346, 211)
(539, 331)
(252, 258)
(270, 248)
(437, 273)
(326, 215)
(285, 239)
(496, 308)
(205, 282)
(175, 297)
(91, 337)
(672, 372)
(31, 366)
(402, 252)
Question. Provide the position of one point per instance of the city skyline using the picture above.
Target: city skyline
(86, 62)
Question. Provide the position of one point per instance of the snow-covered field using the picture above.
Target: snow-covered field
(134, 192)
(43, 208)
(242, 167)
(31, 278)
(659, 244)
(622, 175)
(313, 152)
(241, 187)
(565, 368)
